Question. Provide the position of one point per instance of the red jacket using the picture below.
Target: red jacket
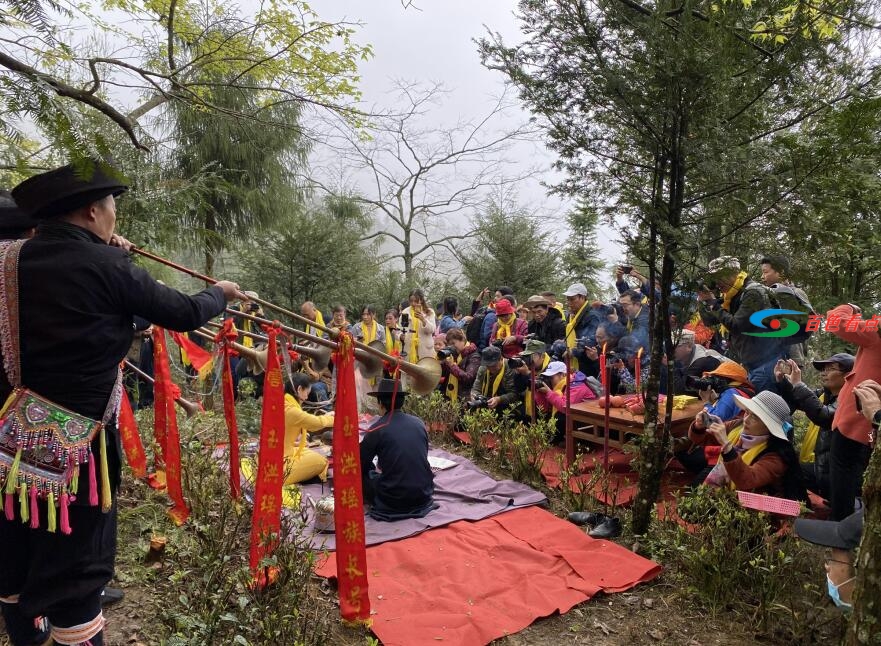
(848, 420)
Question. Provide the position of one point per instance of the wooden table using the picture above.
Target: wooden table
(586, 421)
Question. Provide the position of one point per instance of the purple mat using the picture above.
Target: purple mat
(463, 492)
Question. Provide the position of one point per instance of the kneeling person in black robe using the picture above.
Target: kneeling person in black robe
(402, 485)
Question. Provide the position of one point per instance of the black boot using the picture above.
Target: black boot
(590, 518)
(109, 596)
(609, 528)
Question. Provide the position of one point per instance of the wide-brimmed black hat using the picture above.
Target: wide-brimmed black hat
(386, 388)
(66, 189)
(12, 218)
(843, 535)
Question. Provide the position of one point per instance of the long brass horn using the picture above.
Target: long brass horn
(320, 355)
(395, 361)
(190, 408)
(421, 378)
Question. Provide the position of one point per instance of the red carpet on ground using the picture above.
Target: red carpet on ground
(472, 582)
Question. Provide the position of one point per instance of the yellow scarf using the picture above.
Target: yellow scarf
(319, 320)
(570, 335)
(748, 456)
(413, 354)
(734, 291)
(368, 337)
(453, 383)
(809, 441)
(496, 382)
(630, 321)
(247, 341)
(392, 344)
(527, 401)
(503, 331)
(559, 388)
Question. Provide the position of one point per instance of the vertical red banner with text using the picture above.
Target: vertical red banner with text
(351, 554)
(266, 517)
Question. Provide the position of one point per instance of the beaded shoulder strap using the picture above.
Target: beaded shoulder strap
(9, 338)
(9, 328)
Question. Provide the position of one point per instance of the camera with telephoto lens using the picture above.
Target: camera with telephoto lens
(714, 382)
(479, 401)
(443, 353)
(254, 307)
(516, 362)
(405, 320)
(498, 343)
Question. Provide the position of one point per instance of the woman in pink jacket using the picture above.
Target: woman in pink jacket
(550, 394)
(849, 449)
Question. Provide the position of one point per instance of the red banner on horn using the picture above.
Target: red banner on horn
(266, 517)
(351, 553)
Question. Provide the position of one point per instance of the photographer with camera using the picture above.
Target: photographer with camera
(550, 394)
(819, 406)
(622, 285)
(636, 316)
(529, 364)
(508, 332)
(756, 453)
(461, 361)
(494, 385)
(692, 361)
(718, 390)
(741, 298)
(584, 318)
(547, 323)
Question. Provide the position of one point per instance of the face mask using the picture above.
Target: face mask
(749, 441)
(832, 591)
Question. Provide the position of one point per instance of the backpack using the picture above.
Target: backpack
(475, 325)
(788, 298)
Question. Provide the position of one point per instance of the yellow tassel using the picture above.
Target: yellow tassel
(75, 480)
(106, 495)
(51, 513)
(23, 510)
(12, 477)
(12, 397)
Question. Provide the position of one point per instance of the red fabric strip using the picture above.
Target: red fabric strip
(351, 555)
(266, 517)
(179, 512)
(226, 335)
(199, 358)
(131, 439)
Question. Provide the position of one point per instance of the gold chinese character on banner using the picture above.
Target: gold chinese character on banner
(349, 498)
(267, 503)
(352, 532)
(274, 377)
(272, 440)
(355, 598)
(352, 567)
(271, 474)
(347, 427)
(348, 463)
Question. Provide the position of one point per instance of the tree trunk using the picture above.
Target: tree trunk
(865, 621)
(664, 224)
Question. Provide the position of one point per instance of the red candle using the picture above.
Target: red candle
(637, 368)
(603, 368)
